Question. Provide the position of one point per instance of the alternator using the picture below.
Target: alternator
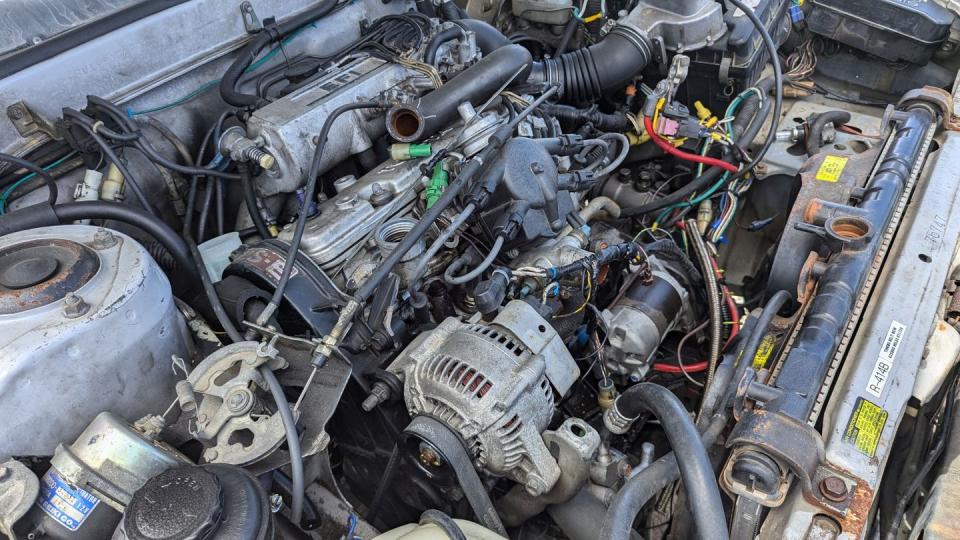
(494, 384)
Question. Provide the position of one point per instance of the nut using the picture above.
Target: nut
(74, 306)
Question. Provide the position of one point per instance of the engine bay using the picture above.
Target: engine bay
(530, 269)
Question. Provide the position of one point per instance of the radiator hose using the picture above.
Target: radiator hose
(411, 122)
(689, 451)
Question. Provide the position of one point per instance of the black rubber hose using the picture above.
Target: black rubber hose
(231, 79)
(444, 522)
(250, 199)
(36, 169)
(699, 183)
(441, 37)
(450, 11)
(153, 226)
(293, 442)
(111, 156)
(438, 109)
(42, 215)
(690, 453)
(144, 145)
(817, 123)
(586, 74)
(568, 32)
(774, 60)
(205, 210)
(644, 486)
(488, 38)
(751, 106)
(752, 342)
(575, 117)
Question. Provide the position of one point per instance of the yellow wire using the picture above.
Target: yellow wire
(586, 299)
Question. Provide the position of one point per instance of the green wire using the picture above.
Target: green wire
(9, 191)
(214, 83)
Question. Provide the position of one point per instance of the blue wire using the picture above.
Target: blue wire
(214, 83)
(351, 527)
(7, 192)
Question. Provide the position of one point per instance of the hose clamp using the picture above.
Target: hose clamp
(615, 421)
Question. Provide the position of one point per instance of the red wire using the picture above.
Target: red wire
(672, 368)
(674, 151)
(731, 306)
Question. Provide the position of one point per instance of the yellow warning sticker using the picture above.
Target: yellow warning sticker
(865, 426)
(831, 168)
(764, 351)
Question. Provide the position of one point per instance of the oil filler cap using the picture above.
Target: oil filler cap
(185, 502)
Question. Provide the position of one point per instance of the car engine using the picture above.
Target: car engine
(479, 269)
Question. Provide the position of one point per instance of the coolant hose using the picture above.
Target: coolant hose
(638, 490)
(438, 109)
(487, 37)
(752, 341)
(817, 123)
(247, 55)
(441, 37)
(690, 453)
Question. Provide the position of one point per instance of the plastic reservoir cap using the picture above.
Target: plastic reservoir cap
(184, 502)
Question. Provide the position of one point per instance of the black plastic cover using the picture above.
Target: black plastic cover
(183, 502)
(895, 30)
(206, 502)
(733, 64)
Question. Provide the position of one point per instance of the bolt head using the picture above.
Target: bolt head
(104, 239)
(833, 488)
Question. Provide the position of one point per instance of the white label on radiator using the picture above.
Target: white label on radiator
(888, 351)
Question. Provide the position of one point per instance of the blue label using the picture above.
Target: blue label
(69, 506)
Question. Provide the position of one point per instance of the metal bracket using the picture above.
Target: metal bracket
(28, 123)
(251, 23)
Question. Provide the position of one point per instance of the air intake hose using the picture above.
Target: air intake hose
(584, 74)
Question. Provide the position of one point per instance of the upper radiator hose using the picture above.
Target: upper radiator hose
(436, 110)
